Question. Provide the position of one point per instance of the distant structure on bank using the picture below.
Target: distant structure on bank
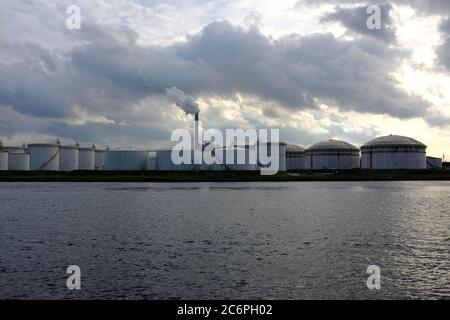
(383, 153)
(434, 163)
(332, 155)
(393, 152)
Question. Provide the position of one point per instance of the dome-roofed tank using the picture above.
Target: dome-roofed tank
(332, 155)
(295, 157)
(393, 152)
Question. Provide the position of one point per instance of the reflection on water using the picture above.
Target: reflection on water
(225, 240)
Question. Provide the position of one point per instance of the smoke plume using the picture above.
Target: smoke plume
(182, 100)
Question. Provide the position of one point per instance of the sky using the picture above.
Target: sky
(310, 68)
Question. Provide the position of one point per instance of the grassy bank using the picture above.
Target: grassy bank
(149, 176)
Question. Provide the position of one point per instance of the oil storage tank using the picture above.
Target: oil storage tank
(18, 162)
(3, 161)
(151, 162)
(86, 158)
(164, 160)
(44, 156)
(295, 158)
(214, 157)
(124, 160)
(14, 149)
(68, 158)
(393, 152)
(332, 155)
(235, 158)
(99, 160)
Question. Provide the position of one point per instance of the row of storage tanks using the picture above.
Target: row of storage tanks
(389, 152)
(51, 157)
(56, 157)
(384, 153)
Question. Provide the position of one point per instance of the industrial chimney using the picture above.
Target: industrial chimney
(197, 143)
(196, 128)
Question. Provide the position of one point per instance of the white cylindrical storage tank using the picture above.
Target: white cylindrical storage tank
(18, 162)
(68, 158)
(14, 149)
(44, 157)
(86, 158)
(124, 160)
(151, 162)
(332, 155)
(393, 152)
(238, 158)
(164, 161)
(214, 155)
(295, 158)
(3, 161)
(99, 160)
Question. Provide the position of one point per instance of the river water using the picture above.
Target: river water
(307, 240)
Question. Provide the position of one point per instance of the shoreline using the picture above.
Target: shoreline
(158, 176)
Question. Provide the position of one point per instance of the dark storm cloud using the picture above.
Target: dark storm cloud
(298, 71)
(355, 20)
(109, 72)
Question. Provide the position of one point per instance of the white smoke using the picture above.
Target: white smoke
(182, 100)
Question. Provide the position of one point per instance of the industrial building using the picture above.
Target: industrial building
(393, 152)
(295, 158)
(332, 155)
